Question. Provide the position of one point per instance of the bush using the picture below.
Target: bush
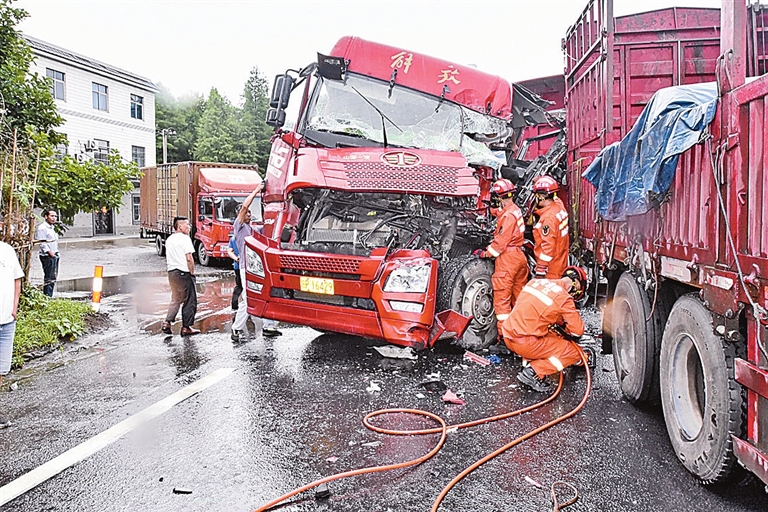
(44, 322)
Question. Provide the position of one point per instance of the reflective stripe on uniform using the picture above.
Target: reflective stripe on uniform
(545, 257)
(556, 363)
(493, 252)
(537, 225)
(563, 232)
(538, 294)
(502, 317)
(564, 224)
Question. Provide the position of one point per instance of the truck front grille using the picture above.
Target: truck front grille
(325, 264)
(376, 175)
(334, 300)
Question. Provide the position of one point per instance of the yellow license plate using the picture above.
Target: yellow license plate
(317, 285)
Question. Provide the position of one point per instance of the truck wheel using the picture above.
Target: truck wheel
(636, 337)
(702, 402)
(464, 285)
(159, 245)
(202, 255)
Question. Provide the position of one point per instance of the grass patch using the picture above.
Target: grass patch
(44, 322)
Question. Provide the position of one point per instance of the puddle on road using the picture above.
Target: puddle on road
(150, 294)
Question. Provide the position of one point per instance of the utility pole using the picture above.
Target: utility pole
(165, 133)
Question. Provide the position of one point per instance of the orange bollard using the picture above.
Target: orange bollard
(98, 273)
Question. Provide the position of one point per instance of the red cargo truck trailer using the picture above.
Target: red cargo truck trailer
(208, 194)
(687, 280)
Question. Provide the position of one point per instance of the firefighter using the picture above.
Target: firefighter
(550, 232)
(510, 266)
(543, 325)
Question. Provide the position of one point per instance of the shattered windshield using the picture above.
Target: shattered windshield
(359, 107)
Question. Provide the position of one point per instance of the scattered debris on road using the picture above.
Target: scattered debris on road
(395, 352)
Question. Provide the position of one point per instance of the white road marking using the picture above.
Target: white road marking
(84, 450)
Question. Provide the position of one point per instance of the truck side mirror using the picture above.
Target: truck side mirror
(275, 117)
(281, 91)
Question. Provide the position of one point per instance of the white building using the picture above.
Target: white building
(104, 108)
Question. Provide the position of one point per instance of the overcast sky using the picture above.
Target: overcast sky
(192, 46)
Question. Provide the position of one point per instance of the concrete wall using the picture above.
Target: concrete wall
(84, 123)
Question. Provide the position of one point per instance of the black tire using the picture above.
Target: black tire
(202, 255)
(636, 339)
(159, 245)
(464, 285)
(702, 402)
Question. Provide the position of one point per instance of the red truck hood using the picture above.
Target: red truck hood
(386, 169)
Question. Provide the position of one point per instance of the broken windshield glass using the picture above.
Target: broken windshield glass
(347, 108)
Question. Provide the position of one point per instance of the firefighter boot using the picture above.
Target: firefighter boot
(528, 377)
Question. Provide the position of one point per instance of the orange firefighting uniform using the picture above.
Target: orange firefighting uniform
(544, 302)
(510, 268)
(552, 240)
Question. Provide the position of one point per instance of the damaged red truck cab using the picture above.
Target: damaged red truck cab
(377, 197)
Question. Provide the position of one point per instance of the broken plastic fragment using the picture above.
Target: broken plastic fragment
(373, 387)
(372, 444)
(434, 385)
(332, 459)
(476, 358)
(181, 490)
(494, 359)
(533, 482)
(322, 492)
(420, 395)
(395, 352)
(450, 398)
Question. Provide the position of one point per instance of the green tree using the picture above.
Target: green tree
(25, 99)
(73, 187)
(182, 115)
(218, 132)
(256, 134)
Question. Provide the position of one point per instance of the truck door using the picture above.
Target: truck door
(204, 219)
(280, 159)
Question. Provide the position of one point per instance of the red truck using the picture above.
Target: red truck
(687, 280)
(209, 194)
(377, 197)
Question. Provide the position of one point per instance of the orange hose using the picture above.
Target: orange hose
(443, 431)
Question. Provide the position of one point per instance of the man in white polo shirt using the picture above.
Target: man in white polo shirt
(181, 277)
(10, 290)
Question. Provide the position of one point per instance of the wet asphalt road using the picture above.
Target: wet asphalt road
(291, 413)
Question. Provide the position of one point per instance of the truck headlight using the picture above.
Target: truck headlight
(409, 278)
(253, 263)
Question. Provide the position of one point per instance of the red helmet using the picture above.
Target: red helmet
(545, 185)
(503, 188)
(577, 275)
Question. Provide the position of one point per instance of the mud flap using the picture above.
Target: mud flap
(448, 324)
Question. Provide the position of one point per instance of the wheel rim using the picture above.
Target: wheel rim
(624, 335)
(202, 255)
(158, 244)
(688, 389)
(478, 302)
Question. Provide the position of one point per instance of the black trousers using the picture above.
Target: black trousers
(50, 272)
(237, 291)
(182, 292)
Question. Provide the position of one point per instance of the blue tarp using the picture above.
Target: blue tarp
(634, 174)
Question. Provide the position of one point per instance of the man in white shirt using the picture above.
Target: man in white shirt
(49, 250)
(181, 277)
(10, 290)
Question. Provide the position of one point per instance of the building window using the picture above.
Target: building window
(136, 208)
(57, 83)
(99, 96)
(137, 107)
(101, 153)
(137, 155)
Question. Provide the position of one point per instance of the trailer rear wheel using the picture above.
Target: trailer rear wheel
(702, 402)
(159, 245)
(464, 285)
(202, 255)
(636, 332)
